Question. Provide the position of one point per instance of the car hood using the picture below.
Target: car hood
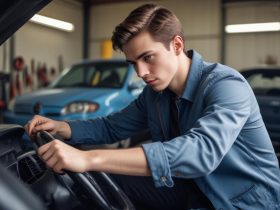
(63, 96)
(14, 13)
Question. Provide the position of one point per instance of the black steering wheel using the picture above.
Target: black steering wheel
(90, 185)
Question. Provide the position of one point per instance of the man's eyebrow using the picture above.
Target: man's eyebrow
(138, 57)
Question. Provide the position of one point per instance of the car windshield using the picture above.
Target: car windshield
(265, 82)
(105, 75)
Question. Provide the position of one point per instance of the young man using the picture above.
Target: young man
(210, 146)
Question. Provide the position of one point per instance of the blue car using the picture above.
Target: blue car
(86, 90)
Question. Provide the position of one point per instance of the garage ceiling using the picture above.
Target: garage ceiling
(98, 2)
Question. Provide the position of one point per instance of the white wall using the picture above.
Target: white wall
(200, 19)
(47, 43)
(44, 44)
(252, 49)
(201, 23)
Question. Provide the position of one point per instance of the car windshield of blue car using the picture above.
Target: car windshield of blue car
(102, 74)
(265, 82)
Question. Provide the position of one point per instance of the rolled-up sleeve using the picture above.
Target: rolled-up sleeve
(158, 163)
(199, 151)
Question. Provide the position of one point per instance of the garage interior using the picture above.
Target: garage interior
(204, 22)
(38, 54)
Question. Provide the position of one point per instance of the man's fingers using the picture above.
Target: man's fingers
(47, 155)
(35, 124)
(55, 165)
(58, 168)
(52, 162)
(30, 126)
(43, 149)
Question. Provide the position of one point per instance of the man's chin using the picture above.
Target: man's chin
(157, 88)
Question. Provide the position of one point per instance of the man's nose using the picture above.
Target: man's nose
(141, 70)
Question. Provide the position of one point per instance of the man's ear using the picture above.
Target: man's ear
(178, 44)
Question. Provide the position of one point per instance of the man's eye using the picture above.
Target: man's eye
(148, 58)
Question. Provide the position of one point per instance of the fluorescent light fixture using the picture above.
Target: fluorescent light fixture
(253, 27)
(51, 22)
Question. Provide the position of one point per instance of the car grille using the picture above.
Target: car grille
(30, 167)
(23, 109)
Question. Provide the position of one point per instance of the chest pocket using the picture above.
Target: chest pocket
(254, 198)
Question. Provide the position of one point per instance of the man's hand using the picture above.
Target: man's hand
(40, 123)
(58, 156)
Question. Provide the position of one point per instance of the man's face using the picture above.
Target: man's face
(153, 62)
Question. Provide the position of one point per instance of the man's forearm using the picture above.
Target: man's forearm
(130, 161)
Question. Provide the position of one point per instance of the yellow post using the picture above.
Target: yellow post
(106, 49)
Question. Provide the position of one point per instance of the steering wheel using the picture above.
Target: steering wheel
(90, 185)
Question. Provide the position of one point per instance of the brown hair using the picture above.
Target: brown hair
(161, 23)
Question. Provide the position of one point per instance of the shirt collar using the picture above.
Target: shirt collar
(194, 75)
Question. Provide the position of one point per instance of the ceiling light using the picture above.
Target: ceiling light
(253, 27)
(51, 22)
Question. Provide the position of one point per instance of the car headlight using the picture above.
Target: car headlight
(80, 107)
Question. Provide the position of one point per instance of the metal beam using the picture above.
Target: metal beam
(86, 27)
(223, 34)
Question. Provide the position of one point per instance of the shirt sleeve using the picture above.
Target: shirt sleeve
(106, 130)
(199, 151)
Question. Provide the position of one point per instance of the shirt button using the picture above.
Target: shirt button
(163, 178)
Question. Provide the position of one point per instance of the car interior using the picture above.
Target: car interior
(27, 180)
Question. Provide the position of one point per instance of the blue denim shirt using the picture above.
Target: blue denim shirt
(224, 145)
